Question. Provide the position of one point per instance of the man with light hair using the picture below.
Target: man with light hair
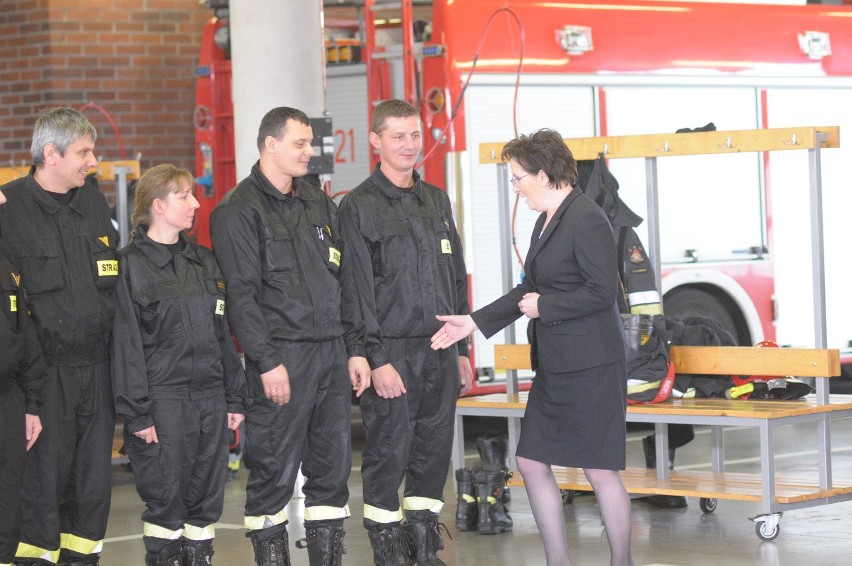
(62, 238)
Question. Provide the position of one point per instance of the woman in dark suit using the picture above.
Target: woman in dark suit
(576, 410)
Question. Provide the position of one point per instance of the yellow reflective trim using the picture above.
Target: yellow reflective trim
(29, 551)
(5, 564)
(326, 513)
(199, 533)
(234, 465)
(265, 521)
(80, 545)
(639, 387)
(382, 515)
(422, 504)
(156, 531)
(468, 498)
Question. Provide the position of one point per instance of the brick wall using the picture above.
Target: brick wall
(134, 58)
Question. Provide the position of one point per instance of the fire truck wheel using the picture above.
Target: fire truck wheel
(682, 303)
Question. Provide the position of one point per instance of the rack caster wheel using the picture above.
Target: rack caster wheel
(707, 504)
(567, 496)
(766, 526)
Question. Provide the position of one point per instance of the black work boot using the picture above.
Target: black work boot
(488, 480)
(390, 544)
(425, 531)
(271, 546)
(467, 512)
(324, 541)
(197, 552)
(665, 501)
(162, 554)
(495, 450)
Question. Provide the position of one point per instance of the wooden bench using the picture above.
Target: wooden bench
(774, 493)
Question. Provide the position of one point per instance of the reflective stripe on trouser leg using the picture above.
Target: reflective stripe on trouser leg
(258, 522)
(326, 513)
(12, 453)
(29, 551)
(156, 531)
(80, 545)
(422, 504)
(382, 515)
(192, 532)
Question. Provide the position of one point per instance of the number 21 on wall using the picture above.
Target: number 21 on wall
(345, 147)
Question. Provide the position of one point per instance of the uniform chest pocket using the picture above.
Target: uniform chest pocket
(104, 262)
(392, 241)
(444, 248)
(576, 326)
(41, 263)
(160, 310)
(279, 253)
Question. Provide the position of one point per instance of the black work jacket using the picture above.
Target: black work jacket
(286, 268)
(171, 337)
(407, 258)
(21, 360)
(66, 254)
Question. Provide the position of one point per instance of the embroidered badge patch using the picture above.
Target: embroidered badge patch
(334, 256)
(13, 303)
(446, 247)
(107, 267)
(220, 306)
(104, 239)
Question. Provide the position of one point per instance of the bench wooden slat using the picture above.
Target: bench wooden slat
(736, 486)
(716, 360)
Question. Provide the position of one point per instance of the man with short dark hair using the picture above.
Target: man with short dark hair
(278, 242)
(409, 267)
(60, 232)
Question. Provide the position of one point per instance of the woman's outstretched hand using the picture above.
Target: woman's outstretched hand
(456, 327)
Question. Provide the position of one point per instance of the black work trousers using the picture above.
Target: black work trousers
(67, 487)
(12, 450)
(312, 430)
(410, 436)
(181, 478)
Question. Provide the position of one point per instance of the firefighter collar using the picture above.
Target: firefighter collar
(47, 202)
(160, 254)
(387, 188)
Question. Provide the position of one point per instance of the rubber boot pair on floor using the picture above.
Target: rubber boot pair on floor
(323, 539)
(182, 552)
(480, 499)
(415, 543)
(664, 501)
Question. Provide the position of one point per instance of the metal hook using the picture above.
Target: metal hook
(493, 154)
(606, 149)
(728, 144)
(794, 140)
(665, 147)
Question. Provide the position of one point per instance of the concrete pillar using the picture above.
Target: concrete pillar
(277, 60)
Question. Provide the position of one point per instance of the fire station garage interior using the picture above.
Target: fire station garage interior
(724, 126)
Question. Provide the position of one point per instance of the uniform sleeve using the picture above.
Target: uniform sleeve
(350, 309)
(596, 257)
(462, 301)
(33, 366)
(233, 232)
(361, 289)
(129, 374)
(235, 376)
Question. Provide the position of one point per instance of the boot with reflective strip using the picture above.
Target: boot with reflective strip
(467, 511)
(197, 552)
(324, 541)
(424, 529)
(271, 546)
(169, 555)
(495, 449)
(488, 480)
(390, 545)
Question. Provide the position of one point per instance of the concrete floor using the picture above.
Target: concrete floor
(683, 537)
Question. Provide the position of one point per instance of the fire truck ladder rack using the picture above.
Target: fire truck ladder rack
(820, 410)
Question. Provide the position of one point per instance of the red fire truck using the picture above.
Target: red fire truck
(483, 71)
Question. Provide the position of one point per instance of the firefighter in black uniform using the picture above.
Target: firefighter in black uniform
(408, 266)
(21, 376)
(60, 232)
(177, 377)
(277, 240)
